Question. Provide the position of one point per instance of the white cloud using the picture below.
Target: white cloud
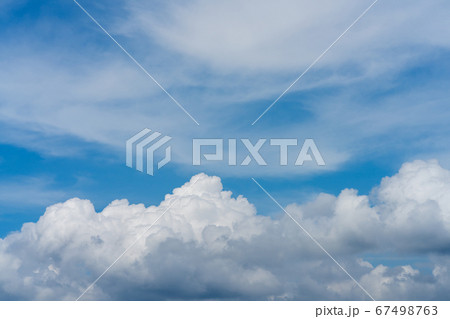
(211, 245)
(37, 191)
(288, 35)
(86, 102)
(75, 84)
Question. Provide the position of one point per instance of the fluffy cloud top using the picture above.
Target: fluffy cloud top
(211, 245)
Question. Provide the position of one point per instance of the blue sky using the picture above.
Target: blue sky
(70, 98)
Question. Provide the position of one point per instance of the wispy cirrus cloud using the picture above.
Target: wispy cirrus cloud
(29, 191)
(227, 73)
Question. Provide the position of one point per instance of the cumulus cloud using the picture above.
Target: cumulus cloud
(212, 245)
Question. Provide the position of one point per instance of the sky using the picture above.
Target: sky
(376, 105)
